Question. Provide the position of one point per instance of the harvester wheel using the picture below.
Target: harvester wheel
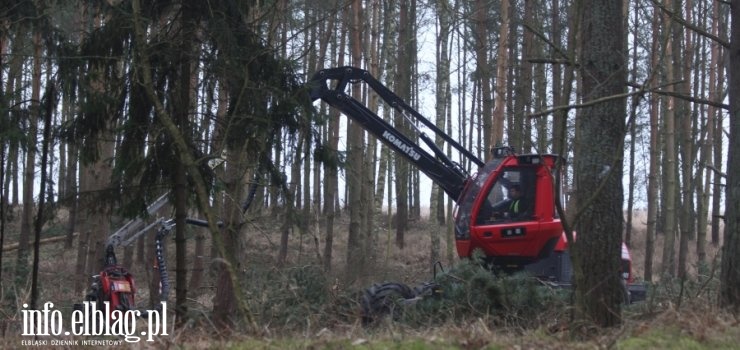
(384, 299)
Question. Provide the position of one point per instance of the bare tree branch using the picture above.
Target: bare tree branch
(686, 24)
(583, 105)
(550, 43)
(642, 89)
(551, 61)
(683, 97)
(719, 172)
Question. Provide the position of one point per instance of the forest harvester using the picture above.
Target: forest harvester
(529, 238)
(114, 289)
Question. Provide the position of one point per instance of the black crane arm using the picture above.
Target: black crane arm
(449, 175)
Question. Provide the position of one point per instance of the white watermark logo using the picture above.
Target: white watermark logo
(92, 321)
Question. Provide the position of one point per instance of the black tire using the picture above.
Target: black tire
(384, 299)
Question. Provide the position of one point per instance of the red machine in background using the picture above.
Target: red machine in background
(114, 284)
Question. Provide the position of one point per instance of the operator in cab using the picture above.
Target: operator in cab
(513, 207)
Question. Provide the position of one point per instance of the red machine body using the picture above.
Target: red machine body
(531, 238)
(118, 288)
(534, 241)
(511, 242)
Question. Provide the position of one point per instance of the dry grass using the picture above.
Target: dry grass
(638, 244)
(327, 317)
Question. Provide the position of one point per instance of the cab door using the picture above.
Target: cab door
(502, 235)
(514, 241)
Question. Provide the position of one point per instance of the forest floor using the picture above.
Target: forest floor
(300, 306)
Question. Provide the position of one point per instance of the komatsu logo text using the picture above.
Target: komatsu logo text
(402, 146)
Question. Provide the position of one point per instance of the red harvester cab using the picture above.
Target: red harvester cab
(506, 239)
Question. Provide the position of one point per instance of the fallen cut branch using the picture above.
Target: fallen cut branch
(14, 246)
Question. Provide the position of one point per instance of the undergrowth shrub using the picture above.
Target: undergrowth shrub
(297, 298)
(677, 292)
(280, 296)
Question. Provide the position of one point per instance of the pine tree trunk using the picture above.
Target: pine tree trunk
(483, 73)
(355, 136)
(654, 167)
(388, 62)
(540, 99)
(706, 161)
(502, 64)
(633, 134)
(720, 18)
(196, 275)
(182, 91)
(687, 224)
(373, 56)
(291, 195)
(437, 200)
(560, 117)
(450, 229)
(330, 169)
(3, 154)
(558, 124)
(598, 169)
(403, 90)
(670, 159)
(305, 219)
(27, 215)
(520, 129)
(730, 271)
(61, 180)
(81, 276)
(46, 142)
(14, 83)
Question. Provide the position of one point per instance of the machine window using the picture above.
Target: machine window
(511, 198)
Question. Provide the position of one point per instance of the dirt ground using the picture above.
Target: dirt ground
(411, 265)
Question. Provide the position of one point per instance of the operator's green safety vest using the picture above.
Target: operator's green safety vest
(514, 206)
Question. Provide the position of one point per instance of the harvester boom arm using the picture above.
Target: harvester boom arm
(449, 175)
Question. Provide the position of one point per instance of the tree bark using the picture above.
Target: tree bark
(670, 159)
(330, 169)
(687, 225)
(520, 132)
(654, 167)
(707, 146)
(502, 65)
(355, 257)
(483, 72)
(730, 270)
(27, 215)
(442, 84)
(388, 50)
(181, 114)
(403, 89)
(633, 133)
(717, 189)
(598, 168)
(46, 145)
(13, 83)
